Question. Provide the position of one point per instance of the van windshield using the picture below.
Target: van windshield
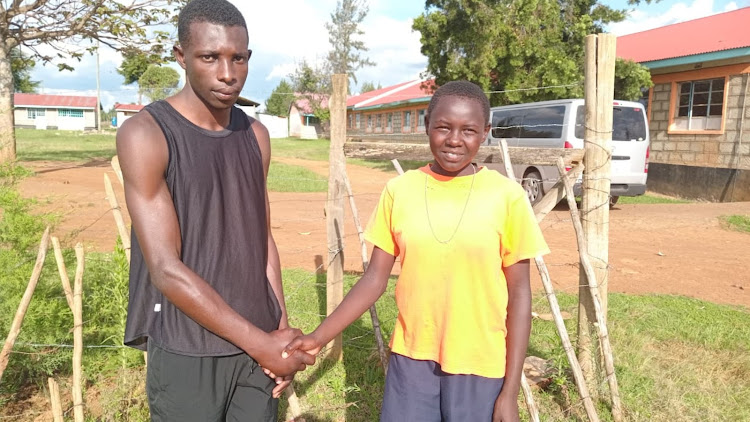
(628, 124)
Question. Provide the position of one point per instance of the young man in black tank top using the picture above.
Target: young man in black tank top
(206, 300)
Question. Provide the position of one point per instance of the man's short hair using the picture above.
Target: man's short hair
(463, 89)
(219, 12)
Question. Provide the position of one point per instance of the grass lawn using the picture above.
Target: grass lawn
(651, 199)
(64, 145)
(288, 178)
(739, 223)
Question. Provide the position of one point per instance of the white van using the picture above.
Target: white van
(559, 124)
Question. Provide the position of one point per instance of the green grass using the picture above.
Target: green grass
(739, 223)
(63, 145)
(307, 149)
(650, 199)
(288, 178)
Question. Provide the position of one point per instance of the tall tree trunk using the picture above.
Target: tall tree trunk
(7, 137)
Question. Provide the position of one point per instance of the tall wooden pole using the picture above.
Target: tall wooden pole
(78, 336)
(335, 205)
(15, 326)
(599, 95)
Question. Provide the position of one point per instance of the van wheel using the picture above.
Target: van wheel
(613, 200)
(532, 184)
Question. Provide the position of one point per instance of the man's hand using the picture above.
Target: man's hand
(308, 344)
(270, 359)
(506, 409)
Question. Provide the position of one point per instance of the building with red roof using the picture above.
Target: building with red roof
(125, 111)
(395, 112)
(64, 112)
(698, 113)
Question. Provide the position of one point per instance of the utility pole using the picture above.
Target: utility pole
(98, 93)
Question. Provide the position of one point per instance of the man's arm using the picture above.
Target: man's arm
(143, 155)
(518, 324)
(273, 267)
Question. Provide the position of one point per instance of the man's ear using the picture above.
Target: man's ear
(179, 55)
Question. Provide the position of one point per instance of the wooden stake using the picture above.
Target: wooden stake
(294, 407)
(15, 327)
(117, 213)
(365, 263)
(601, 323)
(63, 272)
(554, 195)
(118, 170)
(528, 396)
(78, 335)
(335, 207)
(54, 397)
(583, 390)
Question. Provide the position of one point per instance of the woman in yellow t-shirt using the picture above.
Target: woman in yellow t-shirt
(464, 235)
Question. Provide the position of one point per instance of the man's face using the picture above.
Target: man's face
(215, 62)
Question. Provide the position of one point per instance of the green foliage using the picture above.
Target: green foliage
(369, 86)
(135, 62)
(314, 85)
(631, 79)
(346, 53)
(522, 51)
(158, 82)
(305, 149)
(650, 199)
(280, 100)
(737, 222)
(21, 67)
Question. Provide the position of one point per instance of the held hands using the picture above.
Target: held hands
(307, 344)
(277, 367)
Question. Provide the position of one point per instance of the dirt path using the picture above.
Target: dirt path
(665, 248)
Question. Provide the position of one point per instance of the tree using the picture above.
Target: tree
(158, 82)
(313, 84)
(369, 86)
(136, 61)
(519, 51)
(631, 79)
(346, 55)
(280, 100)
(62, 24)
(21, 68)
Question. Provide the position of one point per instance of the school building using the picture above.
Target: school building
(699, 115)
(59, 112)
(392, 114)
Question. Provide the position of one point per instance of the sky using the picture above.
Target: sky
(284, 32)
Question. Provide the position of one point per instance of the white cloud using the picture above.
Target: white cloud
(642, 19)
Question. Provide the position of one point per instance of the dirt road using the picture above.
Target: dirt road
(666, 248)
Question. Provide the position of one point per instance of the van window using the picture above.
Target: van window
(539, 122)
(628, 124)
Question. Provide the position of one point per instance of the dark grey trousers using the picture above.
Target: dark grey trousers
(207, 389)
(419, 391)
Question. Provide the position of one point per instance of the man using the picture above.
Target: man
(206, 298)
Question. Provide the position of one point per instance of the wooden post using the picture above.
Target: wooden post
(583, 390)
(15, 326)
(118, 171)
(335, 206)
(78, 335)
(291, 397)
(598, 94)
(54, 397)
(63, 272)
(601, 323)
(365, 262)
(117, 213)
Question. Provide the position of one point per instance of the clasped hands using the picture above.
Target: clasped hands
(288, 352)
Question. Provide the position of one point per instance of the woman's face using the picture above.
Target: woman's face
(457, 126)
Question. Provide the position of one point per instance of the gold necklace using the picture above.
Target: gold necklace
(427, 208)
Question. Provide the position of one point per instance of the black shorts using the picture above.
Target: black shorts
(205, 389)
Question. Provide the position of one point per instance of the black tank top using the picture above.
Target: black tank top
(217, 185)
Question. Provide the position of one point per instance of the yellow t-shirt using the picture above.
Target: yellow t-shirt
(452, 295)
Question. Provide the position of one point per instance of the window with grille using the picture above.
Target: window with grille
(33, 113)
(64, 112)
(700, 105)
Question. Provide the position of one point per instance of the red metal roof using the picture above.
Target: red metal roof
(129, 107)
(724, 31)
(40, 100)
(394, 94)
